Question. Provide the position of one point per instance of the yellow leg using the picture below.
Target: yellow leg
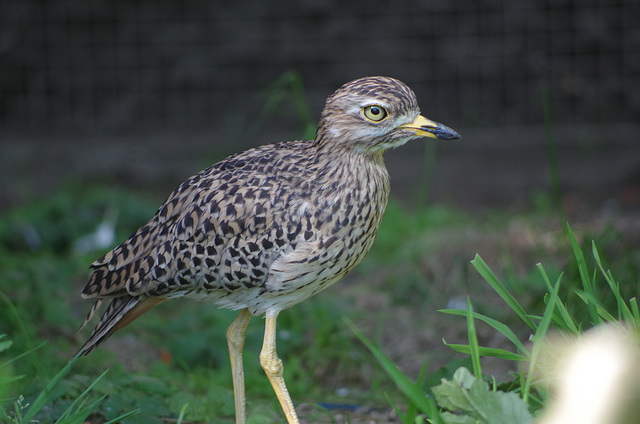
(272, 366)
(235, 340)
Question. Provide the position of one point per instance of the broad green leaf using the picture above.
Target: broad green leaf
(465, 395)
(450, 418)
(453, 394)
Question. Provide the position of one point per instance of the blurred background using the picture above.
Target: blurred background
(149, 92)
(108, 105)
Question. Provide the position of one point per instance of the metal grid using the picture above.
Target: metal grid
(140, 65)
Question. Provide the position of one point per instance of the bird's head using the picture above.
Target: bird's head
(373, 114)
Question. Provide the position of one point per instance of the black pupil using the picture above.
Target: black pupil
(375, 111)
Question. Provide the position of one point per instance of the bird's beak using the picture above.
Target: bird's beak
(423, 127)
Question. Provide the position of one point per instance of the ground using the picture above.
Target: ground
(419, 264)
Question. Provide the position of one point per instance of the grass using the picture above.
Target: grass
(76, 412)
(172, 364)
(183, 359)
(458, 400)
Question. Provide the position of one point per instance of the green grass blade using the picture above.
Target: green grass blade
(123, 416)
(486, 351)
(22, 327)
(565, 319)
(624, 313)
(539, 338)
(497, 325)
(6, 380)
(605, 315)
(473, 342)
(486, 273)
(23, 354)
(79, 416)
(395, 407)
(552, 153)
(45, 394)
(69, 416)
(600, 311)
(183, 410)
(633, 304)
(415, 394)
(587, 282)
(79, 401)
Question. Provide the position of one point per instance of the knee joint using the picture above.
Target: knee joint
(271, 364)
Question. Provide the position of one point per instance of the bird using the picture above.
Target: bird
(267, 228)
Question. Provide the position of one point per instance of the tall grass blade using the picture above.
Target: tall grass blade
(81, 414)
(486, 351)
(76, 413)
(552, 153)
(565, 319)
(401, 415)
(123, 416)
(633, 304)
(539, 337)
(288, 87)
(413, 391)
(602, 314)
(497, 325)
(79, 401)
(587, 282)
(183, 410)
(45, 394)
(605, 315)
(624, 313)
(37, 365)
(21, 355)
(486, 273)
(473, 342)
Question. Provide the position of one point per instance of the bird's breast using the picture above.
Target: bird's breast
(337, 226)
(319, 230)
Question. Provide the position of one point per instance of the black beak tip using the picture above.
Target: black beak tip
(443, 132)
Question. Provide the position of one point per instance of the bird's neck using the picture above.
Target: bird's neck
(348, 170)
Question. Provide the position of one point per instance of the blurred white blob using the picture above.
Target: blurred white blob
(103, 236)
(595, 379)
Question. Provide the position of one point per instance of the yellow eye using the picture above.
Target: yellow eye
(375, 113)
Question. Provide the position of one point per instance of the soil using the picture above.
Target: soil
(600, 185)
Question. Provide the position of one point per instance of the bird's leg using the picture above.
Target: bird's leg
(272, 366)
(235, 340)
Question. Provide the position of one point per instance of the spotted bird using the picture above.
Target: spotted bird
(266, 228)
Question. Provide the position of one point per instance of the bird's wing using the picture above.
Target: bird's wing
(229, 204)
(219, 231)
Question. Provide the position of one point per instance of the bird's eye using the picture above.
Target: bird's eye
(375, 113)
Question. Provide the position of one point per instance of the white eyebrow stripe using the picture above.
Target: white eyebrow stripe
(371, 101)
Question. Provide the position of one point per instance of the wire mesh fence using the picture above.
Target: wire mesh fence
(118, 66)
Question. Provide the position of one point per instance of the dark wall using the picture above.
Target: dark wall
(118, 66)
(147, 92)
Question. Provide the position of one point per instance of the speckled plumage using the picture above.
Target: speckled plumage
(269, 227)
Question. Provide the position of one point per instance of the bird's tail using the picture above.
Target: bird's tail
(120, 312)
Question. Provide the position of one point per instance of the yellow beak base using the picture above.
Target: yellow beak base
(423, 127)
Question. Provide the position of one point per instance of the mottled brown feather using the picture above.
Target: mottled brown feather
(266, 228)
